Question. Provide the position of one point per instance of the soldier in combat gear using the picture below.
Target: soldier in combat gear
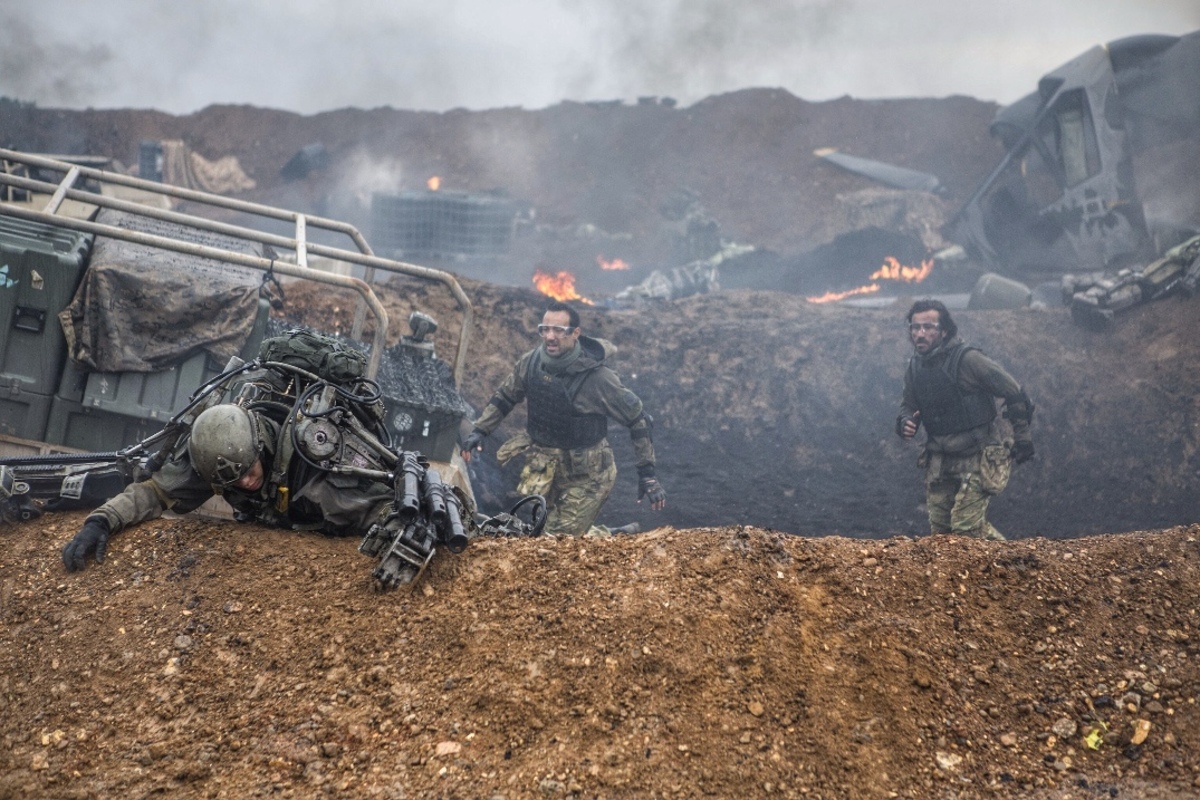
(570, 394)
(950, 388)
(235, 452)
(301, 445)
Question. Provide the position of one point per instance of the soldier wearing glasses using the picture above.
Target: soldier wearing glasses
(570, 395)
(950, 389)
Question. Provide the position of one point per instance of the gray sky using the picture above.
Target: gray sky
(314, 55)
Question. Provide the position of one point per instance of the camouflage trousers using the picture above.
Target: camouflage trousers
(956, 498)
(575, 483)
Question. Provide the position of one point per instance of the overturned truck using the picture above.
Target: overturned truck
(122, 319)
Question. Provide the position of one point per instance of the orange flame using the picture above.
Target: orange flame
(616, 263)
(560, 286)
(891, 270)
(434, 183)
(833, 297)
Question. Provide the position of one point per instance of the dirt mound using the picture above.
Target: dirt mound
(603, 180)
(205, 659)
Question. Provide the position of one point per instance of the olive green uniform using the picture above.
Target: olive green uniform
(575, 480)
(964, 469)
(305, 499)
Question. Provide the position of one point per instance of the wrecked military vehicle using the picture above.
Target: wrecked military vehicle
(122, 320)
(1064, 198)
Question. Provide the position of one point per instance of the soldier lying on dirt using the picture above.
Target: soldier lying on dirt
(296, 450)
(238, 453)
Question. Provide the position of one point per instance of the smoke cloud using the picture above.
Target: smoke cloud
(313, 55)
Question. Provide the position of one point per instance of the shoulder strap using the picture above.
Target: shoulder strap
(955, 361)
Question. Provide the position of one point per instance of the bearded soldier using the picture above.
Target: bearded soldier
(570, 394)
(951, 388)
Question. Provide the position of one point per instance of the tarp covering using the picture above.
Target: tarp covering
(183, 167)
(144, 309)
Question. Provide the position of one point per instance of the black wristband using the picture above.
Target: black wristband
(645, 471)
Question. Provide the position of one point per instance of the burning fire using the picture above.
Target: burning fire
(891, 270)
(833, 297)
(616, 263)
(434, 183)
(560, 286)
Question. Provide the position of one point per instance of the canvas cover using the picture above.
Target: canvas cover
(144, 309)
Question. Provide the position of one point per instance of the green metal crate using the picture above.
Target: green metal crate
(40, 268)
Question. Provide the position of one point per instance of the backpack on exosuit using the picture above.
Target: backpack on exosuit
(324, 418)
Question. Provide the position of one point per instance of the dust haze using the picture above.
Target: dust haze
(309, 56)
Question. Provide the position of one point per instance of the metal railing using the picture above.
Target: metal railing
(299, 243)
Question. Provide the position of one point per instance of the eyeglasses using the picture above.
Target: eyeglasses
(561, 330)
(917, 327)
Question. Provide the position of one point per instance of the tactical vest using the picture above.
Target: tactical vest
(945, 407)
(552, 418)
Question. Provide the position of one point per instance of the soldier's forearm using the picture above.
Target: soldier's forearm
(138, 503)
(1018, 409)
(643, 451)
(490, 419)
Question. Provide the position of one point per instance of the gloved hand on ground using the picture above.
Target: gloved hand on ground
(92, 538)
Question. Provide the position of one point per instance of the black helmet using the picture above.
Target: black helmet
(224, 444)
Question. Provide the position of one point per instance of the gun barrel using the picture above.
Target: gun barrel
(62, 459)
(449, 525)
(453, 534)
(408, 490)
(435, 496)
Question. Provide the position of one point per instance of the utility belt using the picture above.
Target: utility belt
(578, 461)
(549, 461)
(992, 462)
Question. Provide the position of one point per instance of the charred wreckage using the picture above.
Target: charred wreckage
(1063, 201)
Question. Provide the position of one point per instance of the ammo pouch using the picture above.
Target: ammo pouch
(537, 476)
(583, 461)
(995, 467)
(513, 447)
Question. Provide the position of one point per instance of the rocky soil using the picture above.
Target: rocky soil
(835, 652)
(205, 660)
(784, 628)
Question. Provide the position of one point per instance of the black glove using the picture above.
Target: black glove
(92, 537)
(474, 440)
(1022, 451)
(650, 488)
